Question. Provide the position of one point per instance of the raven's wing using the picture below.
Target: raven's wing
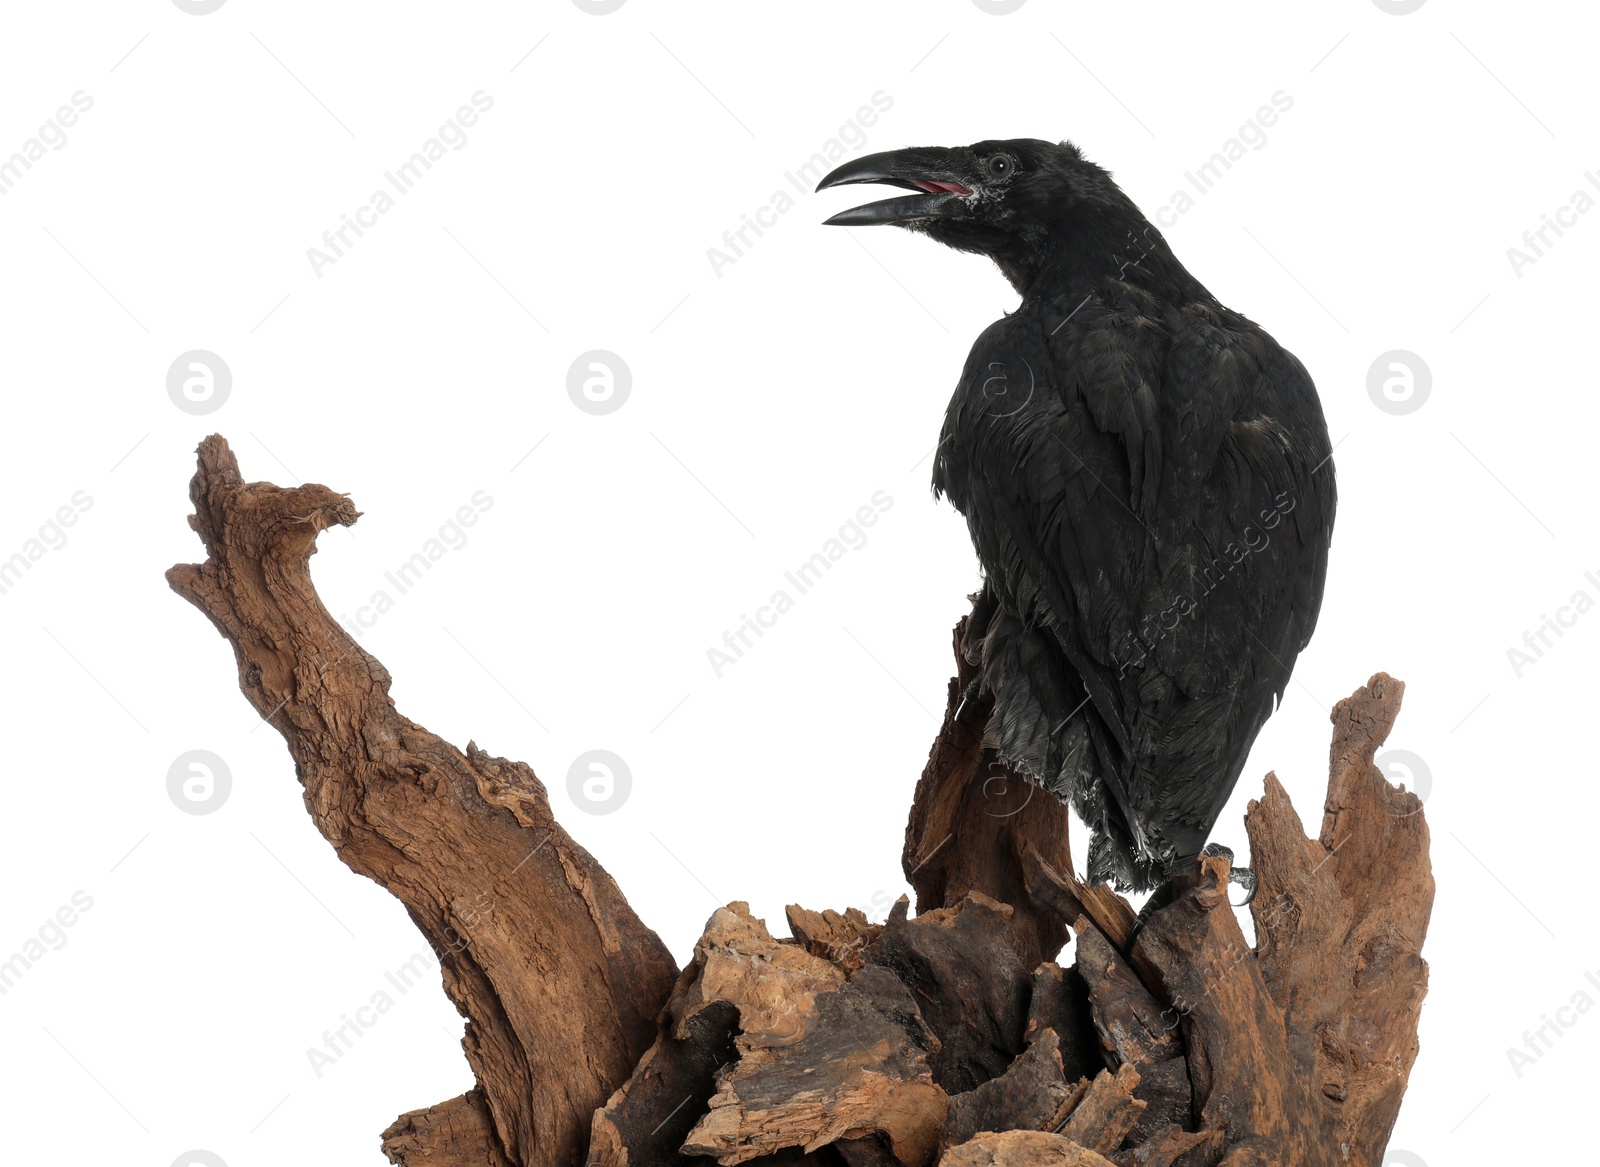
(1140, 485)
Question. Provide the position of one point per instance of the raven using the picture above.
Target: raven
(1148, 483)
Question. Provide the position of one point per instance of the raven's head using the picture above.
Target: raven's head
(1021, 202)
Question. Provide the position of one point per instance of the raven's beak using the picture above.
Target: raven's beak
(929, 171)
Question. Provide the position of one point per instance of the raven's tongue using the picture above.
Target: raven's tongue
(941, 187)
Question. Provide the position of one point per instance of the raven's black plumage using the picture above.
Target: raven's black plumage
(1148, 482)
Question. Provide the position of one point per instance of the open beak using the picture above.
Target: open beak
(929, 171)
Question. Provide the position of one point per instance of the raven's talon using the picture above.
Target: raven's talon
(1246, 879)
(1217, 851)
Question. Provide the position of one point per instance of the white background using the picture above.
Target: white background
(769, 402)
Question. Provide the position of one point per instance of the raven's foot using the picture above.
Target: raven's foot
(1159, 899)
(1165, 894)
(1185, 877)
(1242, 876)
(969, 697)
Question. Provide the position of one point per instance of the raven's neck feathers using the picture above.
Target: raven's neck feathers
(1093, 244)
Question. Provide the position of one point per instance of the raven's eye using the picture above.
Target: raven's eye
(999, 166)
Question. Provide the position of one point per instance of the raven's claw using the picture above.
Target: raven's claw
(1246, 879)
(1242, 876)
(1175, 885)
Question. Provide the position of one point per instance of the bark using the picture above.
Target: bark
(1032, 1091)
(949, 1037)
(1023, 1149)
(458, 1133)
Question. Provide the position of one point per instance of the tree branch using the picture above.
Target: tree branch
(559, 981)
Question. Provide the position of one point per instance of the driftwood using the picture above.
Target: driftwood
(951, 1036)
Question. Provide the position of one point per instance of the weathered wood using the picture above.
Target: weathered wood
(1027, 1096)
(1068, 1104)
(1131, 1024)
(1022, 1149)
(971, 987)
(854, 1064)
(1059, 1002)
(1107, 1112)
(773, 985)
(972, 821)
(457, 1133)
(1172, 1147)
(559, 981)
(744, 991)
(817, 1059)
(1237, 1050)
(871, 1151)
(840, 937)
(1064, 893)
(843, 1046)
(1340, 923)
(1135, 1029)
(646, 1121)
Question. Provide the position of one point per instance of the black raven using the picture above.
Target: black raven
(1148, 483)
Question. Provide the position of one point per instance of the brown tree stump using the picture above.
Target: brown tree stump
(946, 1037)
